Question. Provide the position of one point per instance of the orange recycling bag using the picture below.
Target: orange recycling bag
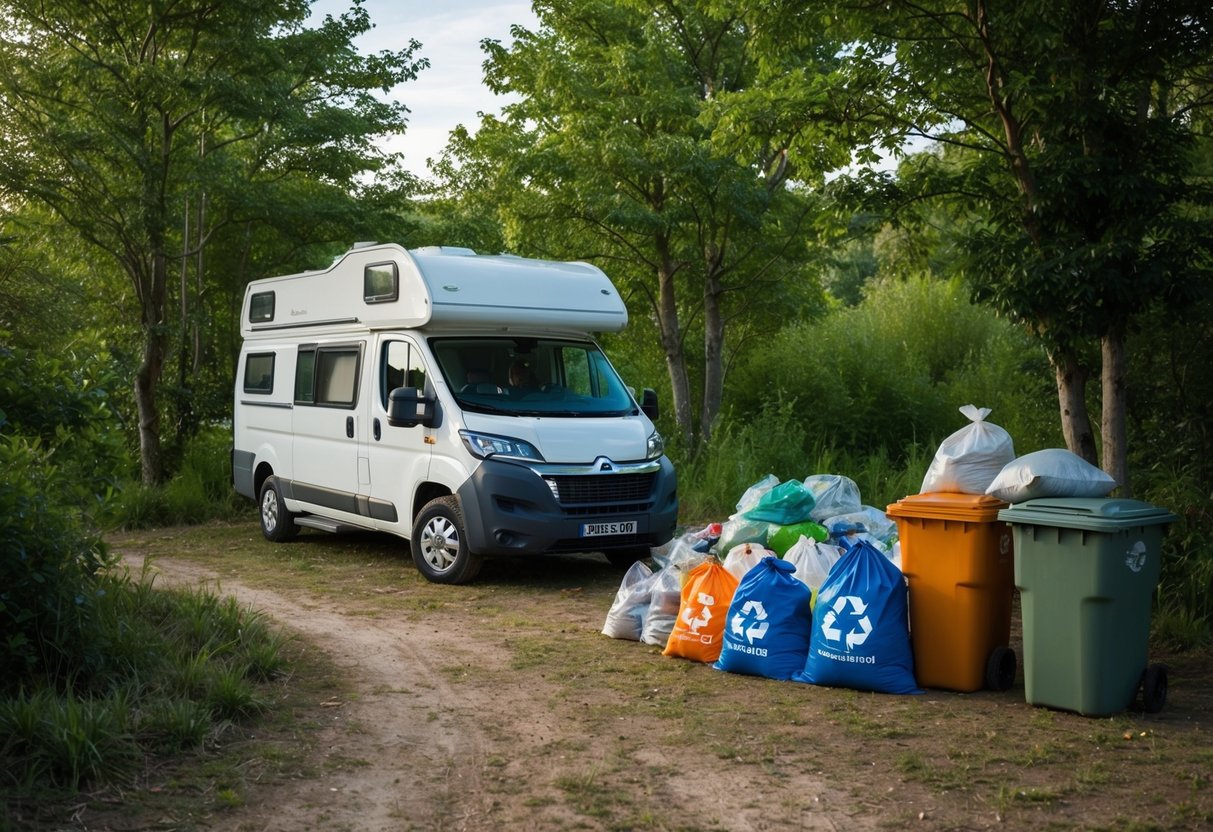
(699, 630)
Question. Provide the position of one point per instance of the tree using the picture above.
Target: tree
(1071, 128)
(124, 118)
(656, 137)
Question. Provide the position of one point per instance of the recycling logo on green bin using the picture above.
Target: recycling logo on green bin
(847, 622)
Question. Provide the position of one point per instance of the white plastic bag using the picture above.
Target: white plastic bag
(812, 560)
(1053, 472)
(630, 608)
(741, 559)
(970, 459)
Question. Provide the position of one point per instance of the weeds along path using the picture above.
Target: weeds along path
(466, 717)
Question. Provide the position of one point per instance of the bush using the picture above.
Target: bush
(48, 571)
(200, 491)
(892, 372)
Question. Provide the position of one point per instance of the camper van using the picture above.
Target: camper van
(454, 399)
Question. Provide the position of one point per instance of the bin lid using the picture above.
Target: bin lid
(948, 505)
(1091, 513)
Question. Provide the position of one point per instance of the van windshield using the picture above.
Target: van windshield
(531, 376)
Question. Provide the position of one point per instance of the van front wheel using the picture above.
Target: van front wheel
(439, 543)
(277, 524)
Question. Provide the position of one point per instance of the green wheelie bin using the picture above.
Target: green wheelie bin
(1086, 569)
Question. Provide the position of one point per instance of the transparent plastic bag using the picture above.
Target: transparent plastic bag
(630, 608)
(834, 494)
(787, 503)
(752, 494)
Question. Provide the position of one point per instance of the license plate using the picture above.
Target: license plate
(600, 529)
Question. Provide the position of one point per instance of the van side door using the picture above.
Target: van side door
(399, 457)
(326, 425)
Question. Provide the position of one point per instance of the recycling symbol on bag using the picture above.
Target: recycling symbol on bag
(856, 634)
(755, 615)
(705, 602)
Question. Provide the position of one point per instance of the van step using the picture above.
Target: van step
(324, 524)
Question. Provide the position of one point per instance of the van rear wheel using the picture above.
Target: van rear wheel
(439, 543)
(277, 524)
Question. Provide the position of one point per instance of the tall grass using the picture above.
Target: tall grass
(180, 666)
(201, 489)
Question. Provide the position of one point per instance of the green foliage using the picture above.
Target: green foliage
(48, 566)
(892, 371)
(201, 490)
(175, 666)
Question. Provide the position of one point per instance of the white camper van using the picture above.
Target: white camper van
(454, 399)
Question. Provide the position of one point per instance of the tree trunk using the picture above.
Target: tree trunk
(1071, 396)
(1115, 405)
(151, 370)
(671, 344)
(713, 351)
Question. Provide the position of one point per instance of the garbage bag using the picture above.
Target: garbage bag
(702, 613)
(1053, 472)
(869, 522)
(834, 494)
(970, 459)
(663, 606)
(784, 538)
(628, 611)
(769, 623)
(789, 502)
(861, 635)
(813, 561)
(738, 530)
(744, 557)
(752, 494)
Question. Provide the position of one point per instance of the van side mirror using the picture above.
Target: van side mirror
(407, 408)
(648, 403)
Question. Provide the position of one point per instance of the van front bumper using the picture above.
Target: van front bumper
(515, 508)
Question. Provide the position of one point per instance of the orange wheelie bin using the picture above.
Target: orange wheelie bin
(958, 560)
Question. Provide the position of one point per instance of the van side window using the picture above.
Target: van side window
(305, 376)
(261, 307)
(337, 376)
(259, 373)
(380, 283)
(401, 367)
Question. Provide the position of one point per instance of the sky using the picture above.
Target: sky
(451, 92)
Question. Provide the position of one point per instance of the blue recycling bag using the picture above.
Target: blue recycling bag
(861, 634)
(767, 631)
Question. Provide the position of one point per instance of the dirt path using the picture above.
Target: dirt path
(421, 745)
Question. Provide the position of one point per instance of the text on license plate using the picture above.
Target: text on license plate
(598, 529)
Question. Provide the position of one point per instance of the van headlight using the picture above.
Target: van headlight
(656, 446)
(485, 445)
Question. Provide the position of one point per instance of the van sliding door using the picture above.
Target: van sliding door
(327, 426)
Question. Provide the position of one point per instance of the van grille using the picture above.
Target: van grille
(595, 490)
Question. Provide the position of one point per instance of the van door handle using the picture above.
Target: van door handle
(349, 426)
(377, 428)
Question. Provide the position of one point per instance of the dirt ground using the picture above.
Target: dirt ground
(417, 748)
(497, 708)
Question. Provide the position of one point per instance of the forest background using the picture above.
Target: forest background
(799, 309)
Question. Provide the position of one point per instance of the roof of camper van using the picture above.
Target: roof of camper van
(383, 286)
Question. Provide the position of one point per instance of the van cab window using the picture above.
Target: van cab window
(531, 376)
(401, 366)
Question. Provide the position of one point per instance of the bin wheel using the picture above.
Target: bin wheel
(1154, 688)
(1000, 669)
